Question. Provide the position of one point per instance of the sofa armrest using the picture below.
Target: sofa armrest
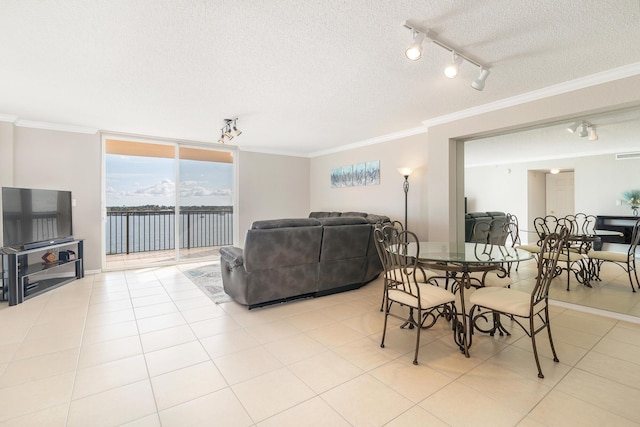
(232, 255)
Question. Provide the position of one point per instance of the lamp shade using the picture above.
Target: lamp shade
(405, 171)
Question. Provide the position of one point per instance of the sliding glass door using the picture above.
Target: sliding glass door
(205, 202)
(165, 202)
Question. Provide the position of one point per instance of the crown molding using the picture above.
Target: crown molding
(250, 149)
(372, 141)
(56, 126)
(549, 91)
(8, 118)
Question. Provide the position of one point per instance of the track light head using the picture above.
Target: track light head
(452, 68)
(583, 130)
(574, 127)
(414, 50)
(593, 136)
(236, 131)
(478, 84)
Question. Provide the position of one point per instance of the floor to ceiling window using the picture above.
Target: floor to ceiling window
(165, 202)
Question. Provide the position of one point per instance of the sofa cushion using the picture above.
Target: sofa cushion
(343, 220)
(362, 214)
(284, 223)
(280, 246)
(377, 219)
(319, 214)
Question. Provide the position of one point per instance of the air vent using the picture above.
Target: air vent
(627, 156)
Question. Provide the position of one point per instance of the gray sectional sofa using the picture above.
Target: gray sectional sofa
(285, 259)
(472, 218)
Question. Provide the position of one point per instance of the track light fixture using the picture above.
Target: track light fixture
(582, 129)
(229, 131)
(414, 52)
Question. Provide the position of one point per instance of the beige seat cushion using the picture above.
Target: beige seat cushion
(609, 256)
(492, 280)
(430, 295)
(503, 299)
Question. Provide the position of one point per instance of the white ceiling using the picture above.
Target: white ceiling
(617, 133)
(302, 76)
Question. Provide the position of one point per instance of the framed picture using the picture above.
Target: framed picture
(372, 173)
(359, 174)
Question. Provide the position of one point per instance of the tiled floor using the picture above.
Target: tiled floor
(147, 348)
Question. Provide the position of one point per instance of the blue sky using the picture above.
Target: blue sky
(135, 181)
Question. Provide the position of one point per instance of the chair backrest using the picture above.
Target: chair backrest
(635, 239)
(513, 230)
(399, 254)
(550, 249)
(382, 234)
(494, 232)
(549, 224)
(579, 223)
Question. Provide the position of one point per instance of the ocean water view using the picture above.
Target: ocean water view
(130, 230)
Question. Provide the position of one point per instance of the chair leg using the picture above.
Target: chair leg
(533, 343)
(632, 266)
(553, 348)
(418, 329)
(386, 316)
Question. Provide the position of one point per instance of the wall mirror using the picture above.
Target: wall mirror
(512, 172)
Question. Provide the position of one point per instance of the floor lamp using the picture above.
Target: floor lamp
(405, 186)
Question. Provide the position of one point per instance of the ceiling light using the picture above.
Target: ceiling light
(452, 68)
(229, 131)
(555, 171)
(593, 136)
(583, 130)
(478, 84)
(414, 50)
(573, 127)
(236, 131)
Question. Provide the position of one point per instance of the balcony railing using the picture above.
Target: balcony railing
(129, 231)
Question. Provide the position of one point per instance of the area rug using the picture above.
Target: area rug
(209, 279)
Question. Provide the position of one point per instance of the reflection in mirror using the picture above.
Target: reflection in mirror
(596, 164)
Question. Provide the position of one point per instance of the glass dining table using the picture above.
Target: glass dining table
(457, 260)
(582, 243)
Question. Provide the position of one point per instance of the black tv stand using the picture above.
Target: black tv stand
(25, 275)
(36, 245)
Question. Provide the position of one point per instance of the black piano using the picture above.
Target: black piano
(623, 224)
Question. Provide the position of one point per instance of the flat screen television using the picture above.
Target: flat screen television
(34, 218)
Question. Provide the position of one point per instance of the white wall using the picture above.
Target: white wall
(65, 161)
(384, 199)
(599, 181)
(271, 187)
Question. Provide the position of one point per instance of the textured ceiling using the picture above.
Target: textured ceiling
(302, 76)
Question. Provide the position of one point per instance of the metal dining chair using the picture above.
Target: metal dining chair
(408, 286)
(529, 310)
(625, 260)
